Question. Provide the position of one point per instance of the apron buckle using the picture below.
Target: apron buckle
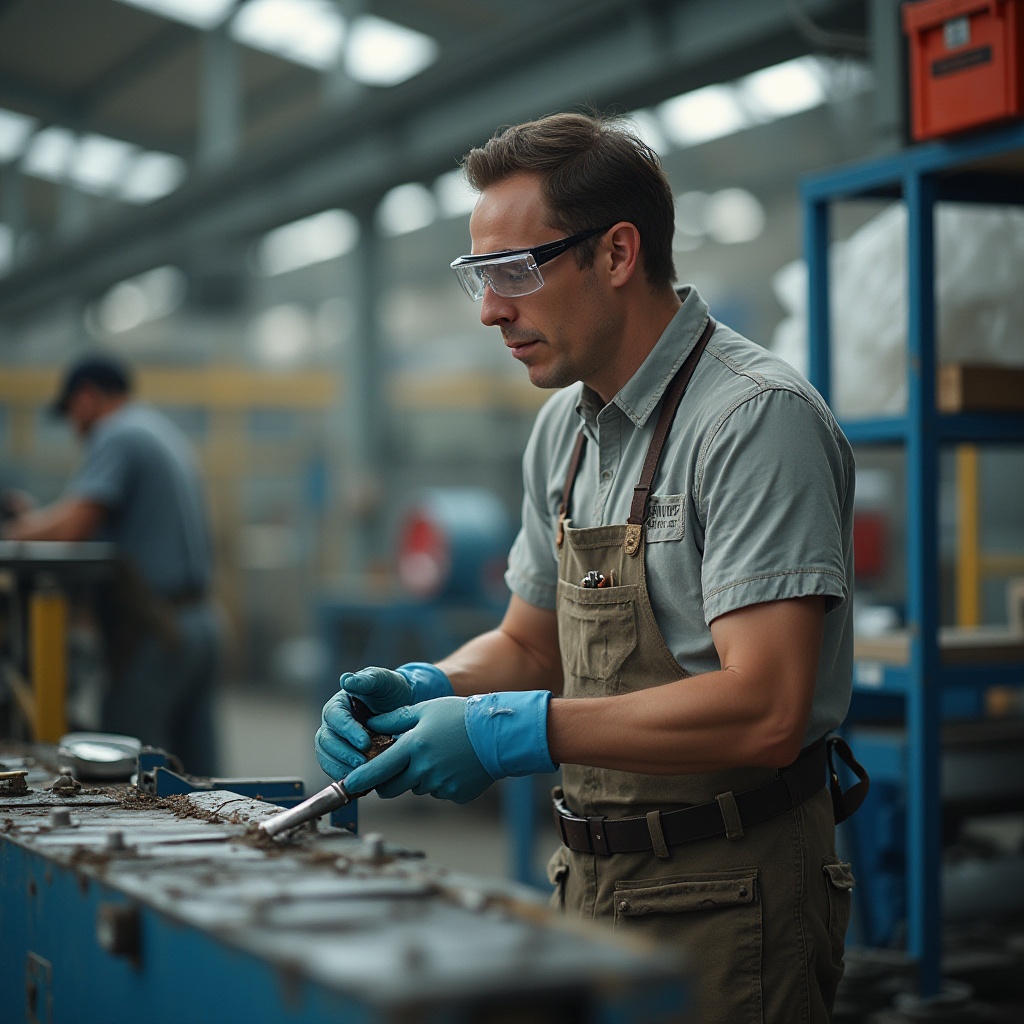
(631, 544)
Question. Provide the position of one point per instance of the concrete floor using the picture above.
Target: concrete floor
(267, 735)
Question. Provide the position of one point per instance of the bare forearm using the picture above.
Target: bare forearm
(64, 520)
(700, 724)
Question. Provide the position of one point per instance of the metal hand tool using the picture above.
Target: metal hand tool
(328, 799)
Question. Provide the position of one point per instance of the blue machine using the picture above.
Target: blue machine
(118, 906)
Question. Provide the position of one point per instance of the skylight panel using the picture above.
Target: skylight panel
(384, 53)
(50, 153)
(151, 176)
(99, 163)
(703, 115)
(203, 14)
(307, 32)
(787, 88)
(324, 236)
(15, 130)
(406, 208)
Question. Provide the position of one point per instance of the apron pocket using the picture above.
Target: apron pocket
(838, 883)
(716, 919)
(596, 630)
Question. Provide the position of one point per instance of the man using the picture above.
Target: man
(679, 635)
(139, 487)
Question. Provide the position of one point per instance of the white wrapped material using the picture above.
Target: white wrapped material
(979, 284)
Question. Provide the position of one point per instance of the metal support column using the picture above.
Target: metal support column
(889, 66)
(923, 713)
(219, 99)
(47, 623)
(364, 403)
(816, 240)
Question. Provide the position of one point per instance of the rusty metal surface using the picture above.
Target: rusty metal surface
(354, 914)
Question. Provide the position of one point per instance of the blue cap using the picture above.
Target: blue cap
(106, 372)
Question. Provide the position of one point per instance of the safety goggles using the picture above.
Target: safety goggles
(513, 272)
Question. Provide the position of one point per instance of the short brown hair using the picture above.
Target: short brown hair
(595, 171)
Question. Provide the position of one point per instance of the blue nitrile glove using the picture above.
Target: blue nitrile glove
(453, 748)
(340, 740)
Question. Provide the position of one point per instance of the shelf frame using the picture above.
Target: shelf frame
(982, 168)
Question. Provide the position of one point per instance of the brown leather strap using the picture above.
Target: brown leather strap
(604, 836)
(570, 479)
(670, 403)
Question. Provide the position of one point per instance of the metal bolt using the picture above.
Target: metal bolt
(115, 840)
(60, 817)
(373, 843)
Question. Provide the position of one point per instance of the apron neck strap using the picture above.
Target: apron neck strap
(642, 492)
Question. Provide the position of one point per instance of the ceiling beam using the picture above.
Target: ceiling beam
(621, 53)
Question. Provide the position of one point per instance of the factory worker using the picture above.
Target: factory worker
(679, 633)
(139, 487)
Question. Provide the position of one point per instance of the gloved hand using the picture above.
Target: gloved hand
(453, 748)
(341, 740)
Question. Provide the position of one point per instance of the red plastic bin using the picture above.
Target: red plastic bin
(966, 63)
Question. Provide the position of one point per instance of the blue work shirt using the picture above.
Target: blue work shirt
(141, 468)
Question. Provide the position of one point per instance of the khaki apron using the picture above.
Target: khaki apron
(761, 918)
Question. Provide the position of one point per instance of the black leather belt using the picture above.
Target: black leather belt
(729, 814)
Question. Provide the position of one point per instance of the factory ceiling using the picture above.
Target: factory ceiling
(138, 132)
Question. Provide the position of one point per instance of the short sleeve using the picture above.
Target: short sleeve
(771, 497)
(104, 475)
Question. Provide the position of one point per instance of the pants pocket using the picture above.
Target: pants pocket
(839, 882)
(716, 920)
(558, 873)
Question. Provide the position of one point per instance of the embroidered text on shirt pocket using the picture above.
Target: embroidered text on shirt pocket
(665, 518)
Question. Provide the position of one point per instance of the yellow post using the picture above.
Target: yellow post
(968, 544)
(47, 623)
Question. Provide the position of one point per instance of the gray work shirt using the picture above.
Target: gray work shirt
(753, 500)
(142, 469)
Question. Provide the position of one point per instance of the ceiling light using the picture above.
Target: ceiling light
(455, 197)
(199, 13)
(14, 132)
(152, 176)
(406, 208)
(324, 236)
(49, 153)
(702, 115)
(282, 334)
(100, 163)
(784, 89)
(140, 299)
(384, 53)
(307, 32)
(734, 215)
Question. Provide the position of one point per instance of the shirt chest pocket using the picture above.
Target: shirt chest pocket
(666, 518)
(596, 630)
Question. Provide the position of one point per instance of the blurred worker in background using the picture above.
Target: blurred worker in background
(679, 635)
(139, 487)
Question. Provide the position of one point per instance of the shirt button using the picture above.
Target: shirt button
(606, 475)
(744, 892)
(623, 905)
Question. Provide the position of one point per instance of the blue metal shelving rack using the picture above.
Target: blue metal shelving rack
(985, 168)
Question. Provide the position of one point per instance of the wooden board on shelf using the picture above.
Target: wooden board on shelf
(976, 387)
(960, 645)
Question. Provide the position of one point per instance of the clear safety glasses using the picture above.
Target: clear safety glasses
(513, 272)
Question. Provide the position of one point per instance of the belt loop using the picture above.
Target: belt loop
(598, 835)
(730, 815)
(657, 836)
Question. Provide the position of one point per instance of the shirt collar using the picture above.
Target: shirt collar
(641, 394)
